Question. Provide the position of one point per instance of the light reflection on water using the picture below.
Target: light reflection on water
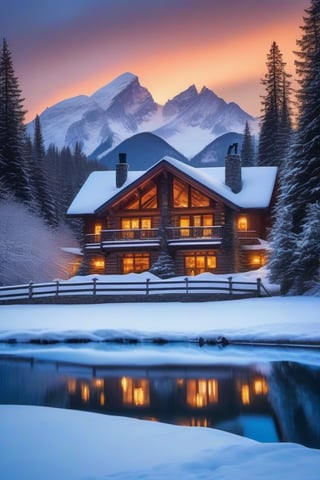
(264, 400)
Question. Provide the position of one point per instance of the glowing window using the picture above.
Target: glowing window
(201, 392)
(207, 221)
(131, 225)
(135, 262)
(85, 393)
(245, 394)
(184, 222)
(97, 228)
(97, 232)
(260, 386)
(198, 224)
(72, 386)
(242, 223)
(185, 196)
(257, 260)
(143, 199)
(198, 199)
(149, 198)
(133, 202)
(102, 399)
(135, 391)
(197, 263)
(180, 194)
(97, 264)
(145, 223)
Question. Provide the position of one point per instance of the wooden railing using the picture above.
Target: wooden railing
(96, 287)
(122, 235)
(192, 233)
(142, 234)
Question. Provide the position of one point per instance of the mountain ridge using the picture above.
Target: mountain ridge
(122, 108)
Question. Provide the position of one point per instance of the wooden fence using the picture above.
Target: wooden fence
(148, 287)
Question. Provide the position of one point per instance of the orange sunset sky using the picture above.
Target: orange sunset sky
(63, 48)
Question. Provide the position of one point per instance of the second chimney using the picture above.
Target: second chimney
(233, 177)
(121, 170)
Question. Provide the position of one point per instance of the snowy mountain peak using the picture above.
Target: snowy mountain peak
(180, 101)
(104, 96)
(123, 108)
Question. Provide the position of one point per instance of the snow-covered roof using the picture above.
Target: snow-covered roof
(257, 186)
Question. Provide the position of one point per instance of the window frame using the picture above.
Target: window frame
(189, 192)
(199, 255)
(134, 256)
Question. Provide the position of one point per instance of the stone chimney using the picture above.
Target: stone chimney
(121, 170)
(233, 176)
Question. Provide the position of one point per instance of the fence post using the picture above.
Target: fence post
(94, 290)
(230, 285)
(147, 286)
(259, 287)
(187, 285)
(30, 289)
(57, 288)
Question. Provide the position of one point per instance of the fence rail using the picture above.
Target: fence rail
(96, 287)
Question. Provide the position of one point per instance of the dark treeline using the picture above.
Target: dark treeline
(295, 237)
(36, 188)
(43, 180)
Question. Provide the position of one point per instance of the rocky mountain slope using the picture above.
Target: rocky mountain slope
(123, 108)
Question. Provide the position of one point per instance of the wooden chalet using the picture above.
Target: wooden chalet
(174, 219)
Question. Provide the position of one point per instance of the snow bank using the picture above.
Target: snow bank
(46, 443)
(283, 320)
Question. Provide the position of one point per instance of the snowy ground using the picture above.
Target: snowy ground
(39, 443)
(48, 444)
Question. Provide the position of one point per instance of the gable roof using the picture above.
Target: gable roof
(100, 187)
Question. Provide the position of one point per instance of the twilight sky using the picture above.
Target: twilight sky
(63, 48)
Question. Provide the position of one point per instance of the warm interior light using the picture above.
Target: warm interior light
(260, 386)
(102, 399)
(242, 223)
(245, 394)
(85, 392)
(135, 262)
(199, 422)
(99, 263)
(98, 382)
(256, 260)
(97, 229)
(72, 385)
(138, 396)
(200, 393)
(135, 392)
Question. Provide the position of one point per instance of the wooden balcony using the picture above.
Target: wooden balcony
(112, 239)
(192, 236)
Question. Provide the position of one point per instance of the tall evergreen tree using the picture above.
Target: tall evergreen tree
(13, 172)
(300, 180)
(247, 149)
(275, 109)
(305, 181)
(308, 251)
(43, 194)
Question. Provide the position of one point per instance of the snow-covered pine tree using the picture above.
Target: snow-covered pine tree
(247, 148)
(305, 180)
(13, 172)
(283, 241)
(296, 266)
(307, 271)
(43, 194)
(275, 108)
